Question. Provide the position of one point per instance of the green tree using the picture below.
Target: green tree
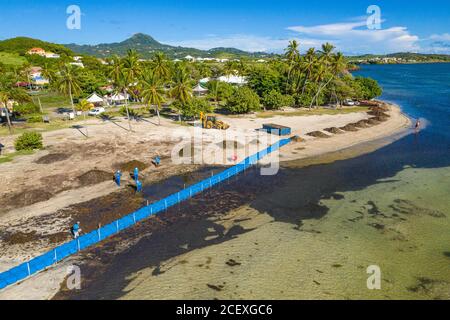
(9, 92)
(29, 141)
(368, 88)
(68, 82)
(274, 100)
(152, 91)
(161, 67)
(243, 100)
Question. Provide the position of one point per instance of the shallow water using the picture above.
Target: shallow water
(311, 232)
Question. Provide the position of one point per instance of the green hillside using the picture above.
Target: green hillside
(146, 46)
(21, 45)
(11, 59)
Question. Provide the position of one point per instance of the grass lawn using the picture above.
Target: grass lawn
(10, 156)
(55, 124)
(51, 100)
(11, 59)
(313, 112)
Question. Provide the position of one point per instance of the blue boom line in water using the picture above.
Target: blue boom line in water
(61, 252)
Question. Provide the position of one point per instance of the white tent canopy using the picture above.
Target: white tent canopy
(118, 97)
(200, 89)
(95, 98)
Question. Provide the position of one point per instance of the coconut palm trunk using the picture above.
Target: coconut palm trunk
(319, 91)
(71, 101)
(7, 118)
(157, 113)
(128, 112)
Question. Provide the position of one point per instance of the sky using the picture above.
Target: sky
(263, 25)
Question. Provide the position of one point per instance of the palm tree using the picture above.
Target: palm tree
(308, 66)
(326, 54)
(131, 66)
(230, 68)
(152, 91)
(182, 90)
(8, 91)
(292, 51)
(318, 76)
(214, 91)
(121, 86)
(68, 82)
(160, 66)
(336, 66)
(84, 106)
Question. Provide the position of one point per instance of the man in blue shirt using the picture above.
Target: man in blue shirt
(157, 161)
(136, 174)
(76, 230)
(118, 177)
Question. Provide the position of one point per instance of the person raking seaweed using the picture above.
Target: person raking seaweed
(76, 230)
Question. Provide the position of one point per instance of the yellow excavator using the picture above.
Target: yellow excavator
(211, 122)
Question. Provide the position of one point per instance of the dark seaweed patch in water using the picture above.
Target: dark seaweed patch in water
(232, 263)
(215, 288)
(377, 226)
(447, 254)
(374, 209)
(337, 265)
(423, 285)
(336, 196)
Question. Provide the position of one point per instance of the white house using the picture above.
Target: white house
(51, 55)
(189, 58)
(236, 80)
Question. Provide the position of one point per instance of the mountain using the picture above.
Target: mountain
(146, 46)
(21, 45)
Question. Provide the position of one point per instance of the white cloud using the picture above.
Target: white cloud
(244, 42)
(355, 37)
(440, 37)
(352, 37)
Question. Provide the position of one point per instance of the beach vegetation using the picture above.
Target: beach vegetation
(243, 100)
(29, 141)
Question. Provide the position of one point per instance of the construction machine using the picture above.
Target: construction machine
(211, 122)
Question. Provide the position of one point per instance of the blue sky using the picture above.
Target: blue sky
(264, 25)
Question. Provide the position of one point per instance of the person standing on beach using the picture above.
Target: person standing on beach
(76, 230)
(136, 174)
(1, 148)
(118, 177)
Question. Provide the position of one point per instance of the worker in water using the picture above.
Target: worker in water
(138, 186)
(136, 174)
(76, 230)
(118, 177)
(418, 125)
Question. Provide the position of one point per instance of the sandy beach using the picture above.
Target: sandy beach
(43, 194)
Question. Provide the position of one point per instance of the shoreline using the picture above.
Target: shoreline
(395, 126)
